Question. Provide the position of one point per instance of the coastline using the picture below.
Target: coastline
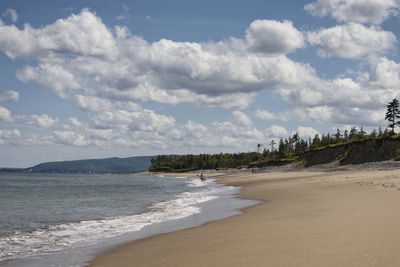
(347, 218)
(173, 204)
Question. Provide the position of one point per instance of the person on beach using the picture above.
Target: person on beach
(202, 178)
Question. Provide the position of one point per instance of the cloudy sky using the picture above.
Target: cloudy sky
(95, 79)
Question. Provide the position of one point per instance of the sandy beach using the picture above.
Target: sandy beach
(343, 218)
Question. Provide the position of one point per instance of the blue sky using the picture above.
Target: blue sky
(94, 79)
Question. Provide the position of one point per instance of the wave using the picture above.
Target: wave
(85, 233)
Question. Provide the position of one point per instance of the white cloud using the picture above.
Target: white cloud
(102, 134)
(10, 136)
(276, 131)
(384, 74)
(96, 61)
(12, 14)
(362, 11)
(358, 100)
(273, 37)
(75, 121)
(241, 119)
(265, 115)
(83, 34)
(144, 120)
(305, 132)
(40, 121)
(226, 74)
(52, 76)
(352, 41)
(5, 114)
(92, 103)
(269, 116)
(9, 95)
(70, 138)
(194, 129)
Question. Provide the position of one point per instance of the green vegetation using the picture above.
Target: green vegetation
(176, 163)
(288, 151)
(393, 114)
(110, 165)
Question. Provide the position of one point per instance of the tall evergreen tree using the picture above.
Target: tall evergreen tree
(272, 145)
(338, 136)
(393, 114)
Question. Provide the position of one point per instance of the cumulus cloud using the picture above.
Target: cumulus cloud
(241, 119)
(362, 11)
(11, 13)
(52, 76)
(158, 132)
(305, 132)
(92, 103)
(102, 134)
(75, 121)
(80, 55)
(40, 121)
(5, 114)
(269, 116)
(145, 120)
(276, 131)
(70, 138)
(82, 34)
(273, 37)
(384, 74)
(9, 136)
(9, 95)
(358, 100)
(352, 41)
(109, 79)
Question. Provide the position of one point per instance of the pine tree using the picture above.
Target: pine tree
(281, 148)
(338, 136)
(361, 134)
(353, 133)
(272, 145)
(346, 135)
(380, 133)
(373, 133)
(393, 114)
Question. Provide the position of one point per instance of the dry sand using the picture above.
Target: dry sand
(306, 219)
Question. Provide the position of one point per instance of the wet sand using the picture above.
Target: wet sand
(349, 218)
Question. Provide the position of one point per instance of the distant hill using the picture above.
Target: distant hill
(109, 165)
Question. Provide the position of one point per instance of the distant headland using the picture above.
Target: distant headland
(90, 166)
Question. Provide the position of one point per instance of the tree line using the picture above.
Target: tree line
(202, 161)
(285, 150)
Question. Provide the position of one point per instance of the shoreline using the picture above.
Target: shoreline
(198, 203)
(346, 218)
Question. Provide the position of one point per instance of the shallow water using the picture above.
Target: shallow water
(64, 219)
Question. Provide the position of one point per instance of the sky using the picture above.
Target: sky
(96, 79)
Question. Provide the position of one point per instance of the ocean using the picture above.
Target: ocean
(66, 219)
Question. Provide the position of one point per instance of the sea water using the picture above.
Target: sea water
(65, 219)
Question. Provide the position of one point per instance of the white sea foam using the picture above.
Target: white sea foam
(85, 233)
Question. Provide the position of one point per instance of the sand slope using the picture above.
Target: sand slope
(306, 219)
